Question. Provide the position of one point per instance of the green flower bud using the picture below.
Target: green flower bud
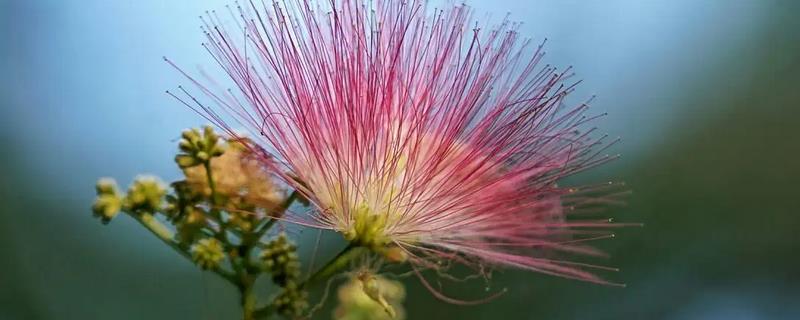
(292, 302)
(371, 287)
(106, 186)
(108, 202)
(370, 296)
(197, 148)
(106, 207)
(191, 136)
(145, 194)
(185, 145)
(280, 259)
(191, 225)
(185, 161)
(208, 132)
(208, 253)
(242, 221)
(216, 152)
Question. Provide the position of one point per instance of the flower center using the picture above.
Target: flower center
(368, 228)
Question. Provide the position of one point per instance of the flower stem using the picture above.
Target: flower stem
(331, 268)
(213, 210)
(210, 179)
(335, 265)
(165, 235)
(161, 231)
(248, 297)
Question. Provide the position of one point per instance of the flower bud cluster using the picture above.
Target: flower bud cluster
(146, 194)
(219, 213)
(208, 253)
(279, 258)
(198, 148)
(108, 202)
(292, 301)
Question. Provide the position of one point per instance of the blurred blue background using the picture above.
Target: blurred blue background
(704, 93)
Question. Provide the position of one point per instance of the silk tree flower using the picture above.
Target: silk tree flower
(411, 127)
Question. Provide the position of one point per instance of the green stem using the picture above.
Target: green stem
(287, 203)
(246, 281)
(161, 231)
(210, 179)
(248, 297)
(165, 235)
(215, 213)
(335, 265)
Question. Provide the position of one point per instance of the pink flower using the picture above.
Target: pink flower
(411, 127)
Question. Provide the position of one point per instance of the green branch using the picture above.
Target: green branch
(336, 264)
(166, 235)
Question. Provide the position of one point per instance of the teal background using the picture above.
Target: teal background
(704, 93)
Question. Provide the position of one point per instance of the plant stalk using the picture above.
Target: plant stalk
(335, 265)
(248, 297)
(165, 235)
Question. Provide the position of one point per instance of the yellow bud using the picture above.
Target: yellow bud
(371, 287)
(107, 206)
(106, 186)
(185, 161)
(208, 253)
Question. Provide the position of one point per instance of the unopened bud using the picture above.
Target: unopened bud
(191, 135)
(106, 186)
(146, 194)
(371, 287)
(208, 253)
(106, 207)
(280, 259)
(197, 148)
(108, 202)
(185, 161)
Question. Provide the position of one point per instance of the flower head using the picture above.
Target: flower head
(411, 128)
(109, 201)
(208, 253)
(145, 194)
